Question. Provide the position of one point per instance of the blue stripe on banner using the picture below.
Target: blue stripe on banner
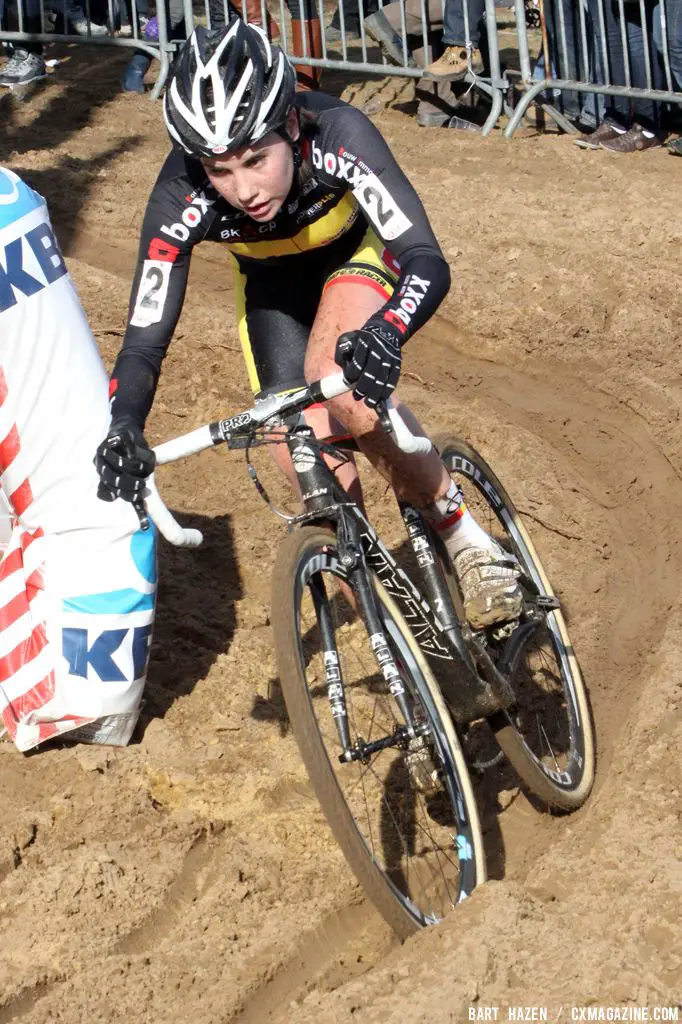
(116, 602)
(16, 198)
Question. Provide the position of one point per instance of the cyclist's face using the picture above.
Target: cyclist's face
(256, 179)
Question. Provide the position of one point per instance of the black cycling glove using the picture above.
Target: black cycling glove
(370, 359)
(124, 460)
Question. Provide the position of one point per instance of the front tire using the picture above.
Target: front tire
(406, 821)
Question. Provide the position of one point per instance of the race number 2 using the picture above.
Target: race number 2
(151, 294)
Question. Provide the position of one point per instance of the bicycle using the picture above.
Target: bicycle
(359, 648)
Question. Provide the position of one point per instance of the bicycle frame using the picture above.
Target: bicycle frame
(483, 689)
(440, 634)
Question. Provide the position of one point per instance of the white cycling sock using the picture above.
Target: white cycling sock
(455, 524)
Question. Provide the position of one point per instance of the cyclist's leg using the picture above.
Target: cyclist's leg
(353, 293)
(274, 315)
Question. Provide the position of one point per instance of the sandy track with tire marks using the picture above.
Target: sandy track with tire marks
(192, 874)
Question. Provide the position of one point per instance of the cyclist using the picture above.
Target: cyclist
(335, 264)
(77, 577)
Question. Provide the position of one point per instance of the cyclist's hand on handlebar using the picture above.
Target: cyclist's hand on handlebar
(124, 460)
(370, 359)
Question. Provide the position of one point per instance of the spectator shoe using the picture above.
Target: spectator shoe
(606, 132)
(454, 64)
(22, 68)
(379, 28)
(635, 139)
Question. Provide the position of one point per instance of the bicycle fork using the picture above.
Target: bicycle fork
(314, 479)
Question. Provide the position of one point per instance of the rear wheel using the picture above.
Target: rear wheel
(404, 816)
(547, 734)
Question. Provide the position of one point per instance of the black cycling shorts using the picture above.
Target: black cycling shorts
(277, 303)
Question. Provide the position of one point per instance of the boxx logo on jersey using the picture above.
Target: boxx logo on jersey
(30, 263)
(410, 299)
(191, 217)
(370, 192)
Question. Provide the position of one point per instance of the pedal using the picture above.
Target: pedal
(547, 603)
(504, 630)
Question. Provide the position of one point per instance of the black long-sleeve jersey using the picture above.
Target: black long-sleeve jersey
(349, 179)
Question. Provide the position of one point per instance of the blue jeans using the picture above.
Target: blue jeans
(454, 33)
(620, 108)
(586, 108)
(673, 16)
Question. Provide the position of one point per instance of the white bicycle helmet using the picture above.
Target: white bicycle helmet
(229, 88)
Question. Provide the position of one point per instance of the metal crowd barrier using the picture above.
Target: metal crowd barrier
(583, 40)
(314, 49)
(309, 47)
(33, 17)
(578, 52)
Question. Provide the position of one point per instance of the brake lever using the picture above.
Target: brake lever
(139, 507)
(384, 418)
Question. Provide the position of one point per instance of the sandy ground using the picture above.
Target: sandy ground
(191, 876)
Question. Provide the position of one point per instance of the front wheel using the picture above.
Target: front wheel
(404, 813)
(547, 734)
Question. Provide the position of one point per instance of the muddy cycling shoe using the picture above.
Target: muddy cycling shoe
(489, 582)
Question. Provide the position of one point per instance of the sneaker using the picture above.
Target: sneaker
(606, 132)
(22, 67)
(79, 24)
(675, 146)
(454, 64)
(634, 140)
(379, 28)
(488, 580)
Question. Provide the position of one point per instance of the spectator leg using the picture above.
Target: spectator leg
(435, 100)
(454, 30)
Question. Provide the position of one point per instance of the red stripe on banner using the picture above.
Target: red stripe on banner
(9, 449)
(46, 731)
(35, 584)
(27, 538)
(36, 698)
(3, 387)
(22, 497)
(14, 562)
(23, 653)
(13, 610)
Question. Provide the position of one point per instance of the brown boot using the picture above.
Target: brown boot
(454, 64)
(436, 100)
(311, 30)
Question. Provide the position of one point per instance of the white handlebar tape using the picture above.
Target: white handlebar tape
(167, 524)
(188, 444)
(408, 442)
